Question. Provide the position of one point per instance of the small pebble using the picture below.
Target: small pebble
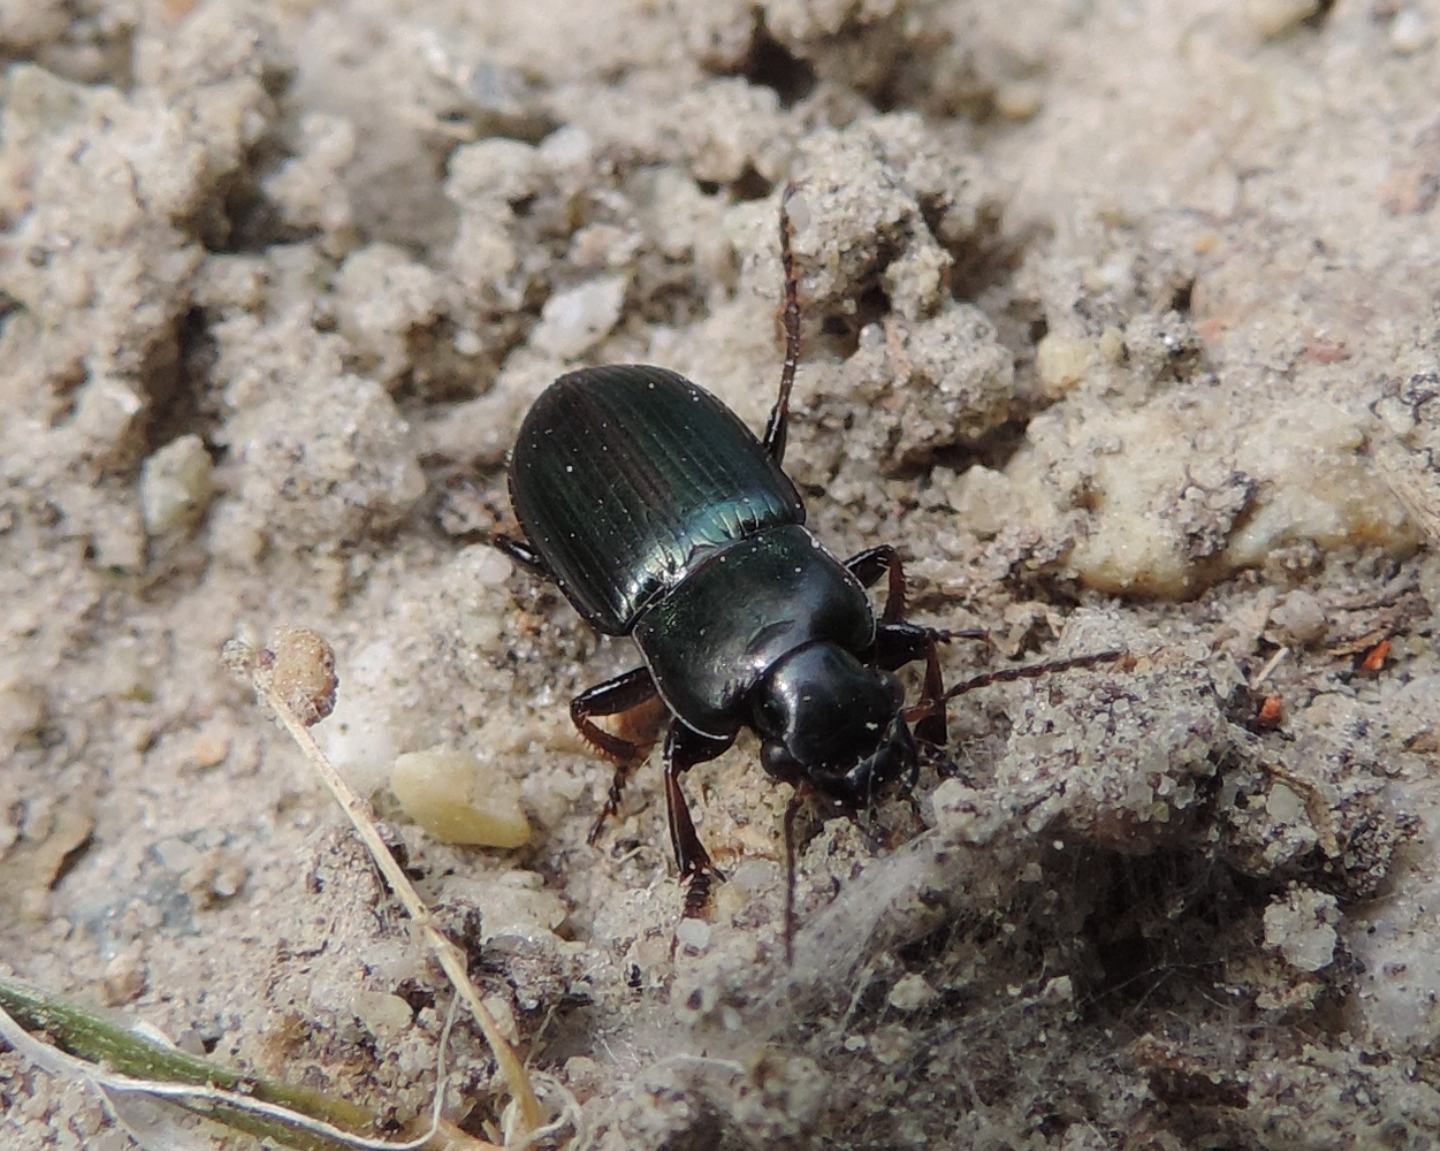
(487, 565)
(1019, 100)
(910, 993)
(693, 933)
(106, 412)
(385, 1016)
(227, 880)
(124, 980)
(458, 798)
(209, 749)
(1411, 31)
(1275, 18)
(573, 321)
(1061, 363)
(175, 486)
(1301, 926)
(1299, 618)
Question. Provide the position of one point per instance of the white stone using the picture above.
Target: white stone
(175, 485)
(575, 320)
(1301, 926)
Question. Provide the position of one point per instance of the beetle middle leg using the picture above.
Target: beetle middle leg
(684, 748)
(898, 642)
(524, 554)
(613, 697)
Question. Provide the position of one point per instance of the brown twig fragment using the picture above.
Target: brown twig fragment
(299, 668)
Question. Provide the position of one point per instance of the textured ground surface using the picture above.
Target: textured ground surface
(1120, 320)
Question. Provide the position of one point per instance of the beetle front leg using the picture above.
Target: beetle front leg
(898, 643)
(684, 748)
(870, 565)
(613, 697)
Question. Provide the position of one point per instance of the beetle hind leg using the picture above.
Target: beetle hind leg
(523, 553)
(616, 696)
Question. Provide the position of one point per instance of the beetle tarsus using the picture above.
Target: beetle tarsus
(950, 635)
(935, 757)
(699, 891)
(612, 800)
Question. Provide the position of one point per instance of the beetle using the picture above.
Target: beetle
(660, 515)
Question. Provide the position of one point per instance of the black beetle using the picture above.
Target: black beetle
(661, 516)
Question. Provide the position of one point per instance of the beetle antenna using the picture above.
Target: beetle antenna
(796, 799)
(927, 707)
(775, 427)
(1035, 671)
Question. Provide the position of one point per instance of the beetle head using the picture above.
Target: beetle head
(829, 721)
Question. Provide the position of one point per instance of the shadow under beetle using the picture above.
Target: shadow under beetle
(661, 516)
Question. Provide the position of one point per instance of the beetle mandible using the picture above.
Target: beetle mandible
(661, 516)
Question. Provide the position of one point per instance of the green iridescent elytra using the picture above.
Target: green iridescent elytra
(625, 478)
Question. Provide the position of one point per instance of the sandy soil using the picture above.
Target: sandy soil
(1120, 320)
